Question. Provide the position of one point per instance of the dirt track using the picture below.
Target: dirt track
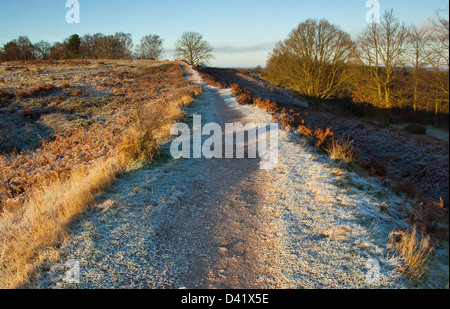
(225, 223)
(228, 217)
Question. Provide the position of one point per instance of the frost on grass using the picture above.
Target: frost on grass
(327, 222)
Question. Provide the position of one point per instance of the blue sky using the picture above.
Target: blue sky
(242, 32)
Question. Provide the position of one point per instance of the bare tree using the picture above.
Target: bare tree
(438, 58)
(192, 48)
(441, 39)
(312, 60)
(87, 46)
(117, 46)
(150, 47)
(26, 48)
(121, 45)
(20, 49)
(417, 54)
(42, 49)
(381, 48)
(59, 51)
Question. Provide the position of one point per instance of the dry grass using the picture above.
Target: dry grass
(53, 161)
(341, 151)
(335, 232)
(41, 223)
(414, 250)
(397, 155)
(389, 154)
(43, 190)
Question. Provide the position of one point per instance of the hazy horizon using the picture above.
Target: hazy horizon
(242, 33)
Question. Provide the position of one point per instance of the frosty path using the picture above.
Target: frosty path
(225, 223)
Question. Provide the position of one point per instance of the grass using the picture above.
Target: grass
(42, 222)
(341, 151)
(44, 189)
(414, 250)
(380, 154)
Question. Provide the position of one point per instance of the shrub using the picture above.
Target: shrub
(374, 168)
(287, 121)
(235, 90)
(138, 145)
(430, 218)
(304, 130)
(406, 187)
(265, 104)
(245, 97)
(416, 129)
(322, 136)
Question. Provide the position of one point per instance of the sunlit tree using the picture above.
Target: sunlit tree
(192, 48)
(312, 60)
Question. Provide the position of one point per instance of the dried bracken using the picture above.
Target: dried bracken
(117, 123)
(391, 154)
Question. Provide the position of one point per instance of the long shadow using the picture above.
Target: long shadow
(407, 158)
(207, 218)
(259, 87)
(21, 132)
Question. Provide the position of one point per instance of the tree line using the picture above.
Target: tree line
(190, 47)
(117, 46)
(390, 65)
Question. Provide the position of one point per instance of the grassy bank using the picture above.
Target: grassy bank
(115, 114)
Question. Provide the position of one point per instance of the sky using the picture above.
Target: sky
(242, 32)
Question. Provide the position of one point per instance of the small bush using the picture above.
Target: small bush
(374, 168)
(406, 187)
(235, 90)
(287, 121)
(245, 98)
(416, 129)
(304, 130)
(323, 136)
(265, 104)
(430, 218)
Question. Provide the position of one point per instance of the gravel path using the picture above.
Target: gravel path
(225, 223)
